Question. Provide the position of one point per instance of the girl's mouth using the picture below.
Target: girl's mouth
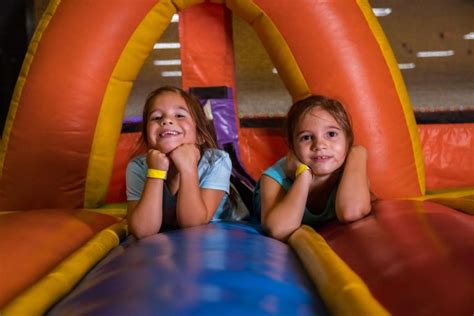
(169, 133)
(320, 158)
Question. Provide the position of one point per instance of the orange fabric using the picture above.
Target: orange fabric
(48, 151)
(34, 242)
(260, 148)
(207, 56)
(399, 85)
(345, 62)
(448, 151)
(128, 146)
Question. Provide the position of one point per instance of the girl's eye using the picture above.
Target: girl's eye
(304, 138)
(332, 134)
(155, 118)
(179, 115)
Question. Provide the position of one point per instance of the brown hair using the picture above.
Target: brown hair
(333, 107)
(205, 131)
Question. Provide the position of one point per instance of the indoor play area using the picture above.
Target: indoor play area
(72, 127)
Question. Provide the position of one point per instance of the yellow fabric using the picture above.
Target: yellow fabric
(450, 193)
(41, 296)
(8, 212)
(112, 109)
(399, 86)
(275, 45)
(465, 204)
(182, 4)
(459, 199)
(341, 289)
(25, 68)
(118, 210)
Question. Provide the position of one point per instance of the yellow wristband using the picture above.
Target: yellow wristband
(156, 174)
(300, 169)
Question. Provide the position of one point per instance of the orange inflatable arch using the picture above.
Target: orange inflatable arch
(76, 93)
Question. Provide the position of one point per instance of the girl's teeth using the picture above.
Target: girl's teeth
(168, 133)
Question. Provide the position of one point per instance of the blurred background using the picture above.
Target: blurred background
(433, 42)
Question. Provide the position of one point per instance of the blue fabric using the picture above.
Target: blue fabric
(224, 268)
(277, 173)
(214, 169)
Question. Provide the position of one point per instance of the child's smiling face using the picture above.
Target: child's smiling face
(169, 123)
(320, 142)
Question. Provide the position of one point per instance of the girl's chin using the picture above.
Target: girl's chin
(319, 168)
(165, 149)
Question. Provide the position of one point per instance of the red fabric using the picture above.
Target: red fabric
(207, 55)
(448, 151)
(129, 146)
(260, 148)
(415, 257)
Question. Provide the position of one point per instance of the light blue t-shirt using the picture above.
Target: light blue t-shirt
(277, 173)
(214, 169)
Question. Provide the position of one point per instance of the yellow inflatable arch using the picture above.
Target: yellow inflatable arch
(68, 105)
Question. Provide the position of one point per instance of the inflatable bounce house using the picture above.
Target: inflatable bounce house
(65, 248)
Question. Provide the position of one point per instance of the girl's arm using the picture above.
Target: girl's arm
(353, 194)
(282, 212)
(145, 215)
(195, 206)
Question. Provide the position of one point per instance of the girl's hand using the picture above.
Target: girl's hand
(157, 160)
(292, 162)
(185, 157)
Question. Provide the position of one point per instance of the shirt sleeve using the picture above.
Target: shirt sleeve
(214, 170)
(135, 179)
(277, 173)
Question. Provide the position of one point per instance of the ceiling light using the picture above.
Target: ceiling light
(171, 73)
(166, 62)
(406, 66)
(175, 18)
(381, 11)
(469, 36)
(169, 45)
(274, 70)
(435, 53)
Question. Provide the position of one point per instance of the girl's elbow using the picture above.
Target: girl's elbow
(353, 213)
(278, 232)
(192, 222)
(141, 233)
(189, 224)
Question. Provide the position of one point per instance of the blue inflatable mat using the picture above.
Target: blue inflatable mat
(223, 268)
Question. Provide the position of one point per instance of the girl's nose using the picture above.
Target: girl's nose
(166, 121)
(318, 143)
